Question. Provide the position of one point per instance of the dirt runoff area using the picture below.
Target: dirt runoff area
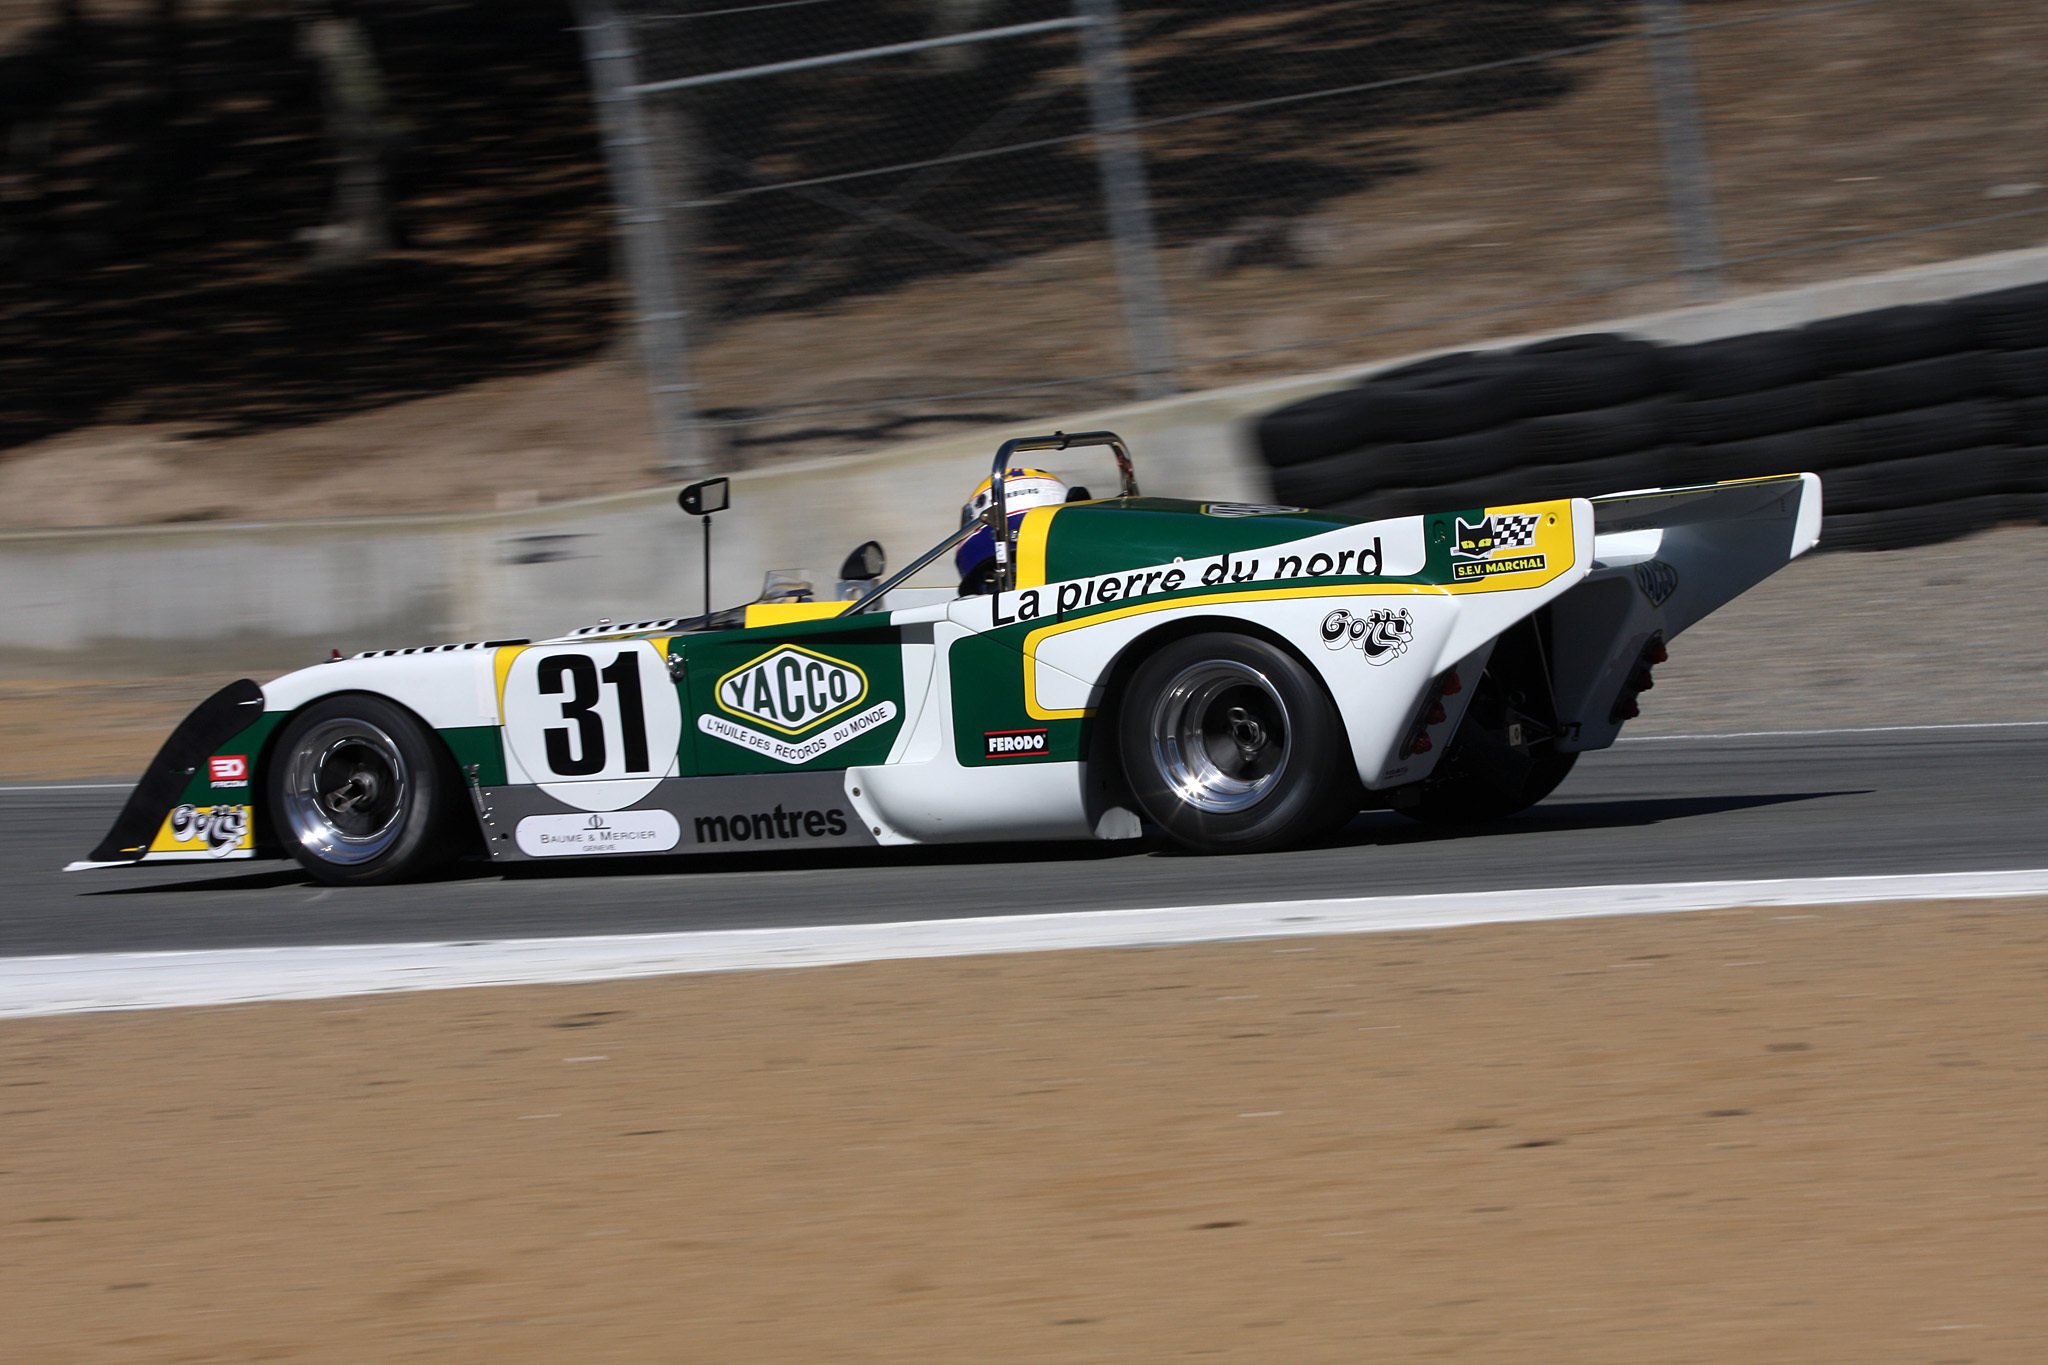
(1763, 1135)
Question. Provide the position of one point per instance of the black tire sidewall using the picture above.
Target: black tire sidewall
(1317, 794)
(425, 840)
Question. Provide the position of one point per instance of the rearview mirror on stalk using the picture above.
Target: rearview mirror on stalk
(706, 497)
(702, 499)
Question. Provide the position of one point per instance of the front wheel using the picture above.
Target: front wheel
(362, 793)
(1230, 745)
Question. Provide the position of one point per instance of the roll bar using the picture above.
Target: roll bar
(996, 516)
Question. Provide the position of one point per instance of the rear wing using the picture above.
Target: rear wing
(1663, 559)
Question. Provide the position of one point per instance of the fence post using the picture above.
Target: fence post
(1122, 164)
(658, 312)
(1688, 174)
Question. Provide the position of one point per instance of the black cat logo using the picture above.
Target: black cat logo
(1475, 541)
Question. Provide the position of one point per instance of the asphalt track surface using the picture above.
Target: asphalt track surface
(1657, 810)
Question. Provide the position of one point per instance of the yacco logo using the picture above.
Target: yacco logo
(791, 689)
(1014, 743)
(228, 770)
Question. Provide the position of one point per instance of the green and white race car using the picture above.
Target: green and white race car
(1238, 677)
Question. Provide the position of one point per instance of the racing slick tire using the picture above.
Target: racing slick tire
(1231, 745)
(362, 793)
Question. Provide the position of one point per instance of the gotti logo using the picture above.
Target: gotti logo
(1382, 634)
(222, 829)
(792, 690)
(1014, 743)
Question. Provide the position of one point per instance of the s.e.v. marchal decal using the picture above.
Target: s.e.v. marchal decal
(1382, 634)
(794, 691)
(1496, 544)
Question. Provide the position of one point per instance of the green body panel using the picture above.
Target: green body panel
(249, 743)
(988, 698)
(1121, 534)
(481, 745)
(1120, 537)
(869, 644)
(1135, 533)
(478, 746)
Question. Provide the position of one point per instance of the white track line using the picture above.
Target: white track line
(1842, 730)
(130, 981)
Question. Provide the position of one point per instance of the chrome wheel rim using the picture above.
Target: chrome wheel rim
(345, 791)
(1220, 736)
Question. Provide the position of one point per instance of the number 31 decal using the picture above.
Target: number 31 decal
(592, 712)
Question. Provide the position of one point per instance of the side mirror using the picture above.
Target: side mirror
(865, 564)
(702, 499)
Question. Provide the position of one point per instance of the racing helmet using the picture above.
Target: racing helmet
(1023, 489)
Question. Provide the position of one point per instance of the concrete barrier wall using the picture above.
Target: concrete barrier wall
(156, 599)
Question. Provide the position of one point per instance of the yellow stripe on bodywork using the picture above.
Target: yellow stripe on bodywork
(784, 613)
(1038, 712)
(1554, 539)
(1031, 537)
(502, 664)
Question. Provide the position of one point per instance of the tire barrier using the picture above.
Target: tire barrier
(1925, 421)
(1561, 437)
(2020, 374)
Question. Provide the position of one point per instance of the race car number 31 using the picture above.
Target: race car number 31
(597, 712)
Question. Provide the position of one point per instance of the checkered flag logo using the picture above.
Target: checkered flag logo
(1516, 531)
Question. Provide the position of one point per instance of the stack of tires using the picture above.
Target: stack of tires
(1925, 422)
(1560, 418)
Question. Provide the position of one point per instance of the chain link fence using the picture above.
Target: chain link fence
(862, 220)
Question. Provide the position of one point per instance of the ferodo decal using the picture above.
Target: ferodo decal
(1381, 634)
(208, 831)
(1499, 542)
(228, 770)
(1016, 743)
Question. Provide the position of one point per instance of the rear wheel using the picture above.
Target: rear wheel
(1230, 745)
(363, 793)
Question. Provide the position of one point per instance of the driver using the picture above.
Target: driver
(1023, 489)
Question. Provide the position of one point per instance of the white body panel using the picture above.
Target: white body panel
(1385, 651)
